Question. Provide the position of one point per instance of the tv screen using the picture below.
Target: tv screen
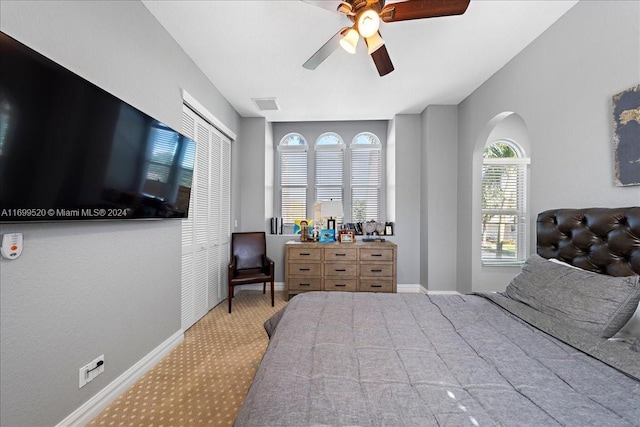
(71, 151)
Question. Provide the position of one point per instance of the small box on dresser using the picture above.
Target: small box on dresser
(357, 267)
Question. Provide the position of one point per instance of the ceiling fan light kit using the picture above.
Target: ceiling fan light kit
(373, 43)
(368, 22)
(366, 16)
(350, 41)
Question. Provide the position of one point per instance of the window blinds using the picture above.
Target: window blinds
(366, 179)
(293, 185)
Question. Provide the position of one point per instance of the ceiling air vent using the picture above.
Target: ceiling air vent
(266, 104)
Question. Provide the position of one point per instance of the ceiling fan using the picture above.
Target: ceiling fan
(366, 16)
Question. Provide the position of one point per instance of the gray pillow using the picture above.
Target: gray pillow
(630, 331)
(591, 301)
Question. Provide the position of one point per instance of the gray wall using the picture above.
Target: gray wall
(438, 201)
(311, 131)
(60, 309)
(407, 135)
(250, 174)
(81, 290)
(561, 85)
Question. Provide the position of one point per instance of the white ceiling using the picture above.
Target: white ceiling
(255, 49)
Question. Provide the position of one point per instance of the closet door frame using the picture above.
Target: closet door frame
(206, 233)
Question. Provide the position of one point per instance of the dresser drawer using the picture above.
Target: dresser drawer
(307, 269)
(340, 254)
(374, 254)
(336, 284)
(376, 285)
(305, 254)
(341, 269)
(305, 284)
(349, 267)
(376, 270)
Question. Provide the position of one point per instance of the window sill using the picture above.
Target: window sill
(502, 263)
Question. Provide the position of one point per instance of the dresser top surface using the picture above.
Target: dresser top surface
(357, 244)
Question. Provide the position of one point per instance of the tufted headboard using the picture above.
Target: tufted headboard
(604, 240)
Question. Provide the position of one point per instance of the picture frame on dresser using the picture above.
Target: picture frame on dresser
(346, 236)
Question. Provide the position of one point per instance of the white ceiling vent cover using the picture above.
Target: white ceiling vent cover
(266, 104)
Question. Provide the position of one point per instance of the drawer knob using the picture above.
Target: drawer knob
(340, 269)
(376, 270)
(376, 286)
(340, 285)
(376, 254)
(305, 254)
(305, 284)
(304, 269)
(341, 254)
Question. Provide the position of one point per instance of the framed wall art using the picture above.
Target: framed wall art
(626, 136)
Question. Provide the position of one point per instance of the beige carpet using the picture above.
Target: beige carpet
(204, 380)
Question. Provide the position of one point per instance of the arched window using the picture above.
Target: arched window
(329, 167)
(504, 202)
(366, 177)
(292, 157)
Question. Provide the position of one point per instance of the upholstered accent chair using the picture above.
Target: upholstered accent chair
(249, 262)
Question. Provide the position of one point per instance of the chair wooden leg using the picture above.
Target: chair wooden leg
(272, 295)
(264, 287)
(230, 296)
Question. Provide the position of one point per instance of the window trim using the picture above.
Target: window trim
(278, 175)
(347, 149)
(360, 147)
(522, 202)
(338, 147)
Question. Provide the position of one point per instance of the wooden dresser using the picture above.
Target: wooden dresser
(353, 267)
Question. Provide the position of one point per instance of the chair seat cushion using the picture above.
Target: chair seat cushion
(250, 275)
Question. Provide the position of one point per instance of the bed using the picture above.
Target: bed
(559, 347)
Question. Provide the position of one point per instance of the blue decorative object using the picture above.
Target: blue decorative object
(327, 235)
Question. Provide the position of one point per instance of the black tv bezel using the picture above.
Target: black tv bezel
(92, 214)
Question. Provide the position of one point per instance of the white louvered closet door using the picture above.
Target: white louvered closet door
(205, 234)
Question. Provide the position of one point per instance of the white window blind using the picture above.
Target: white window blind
(366, 179)
(504, 209)
(163, 146)
(329, 168)
(293, 177)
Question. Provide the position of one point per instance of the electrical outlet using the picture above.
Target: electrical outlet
(88, 372)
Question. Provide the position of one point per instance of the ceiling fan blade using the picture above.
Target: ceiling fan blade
(418, 9)
(383, 62)
(331, 5)
(326, 50)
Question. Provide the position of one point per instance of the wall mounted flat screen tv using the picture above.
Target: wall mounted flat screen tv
(71, 151)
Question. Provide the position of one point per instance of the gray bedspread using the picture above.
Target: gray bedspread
(365, 359)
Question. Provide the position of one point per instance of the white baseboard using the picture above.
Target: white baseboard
(417, 288)
(409, 288)
(405, 288)
(442, 292)
(278, 286)
(92, 407)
